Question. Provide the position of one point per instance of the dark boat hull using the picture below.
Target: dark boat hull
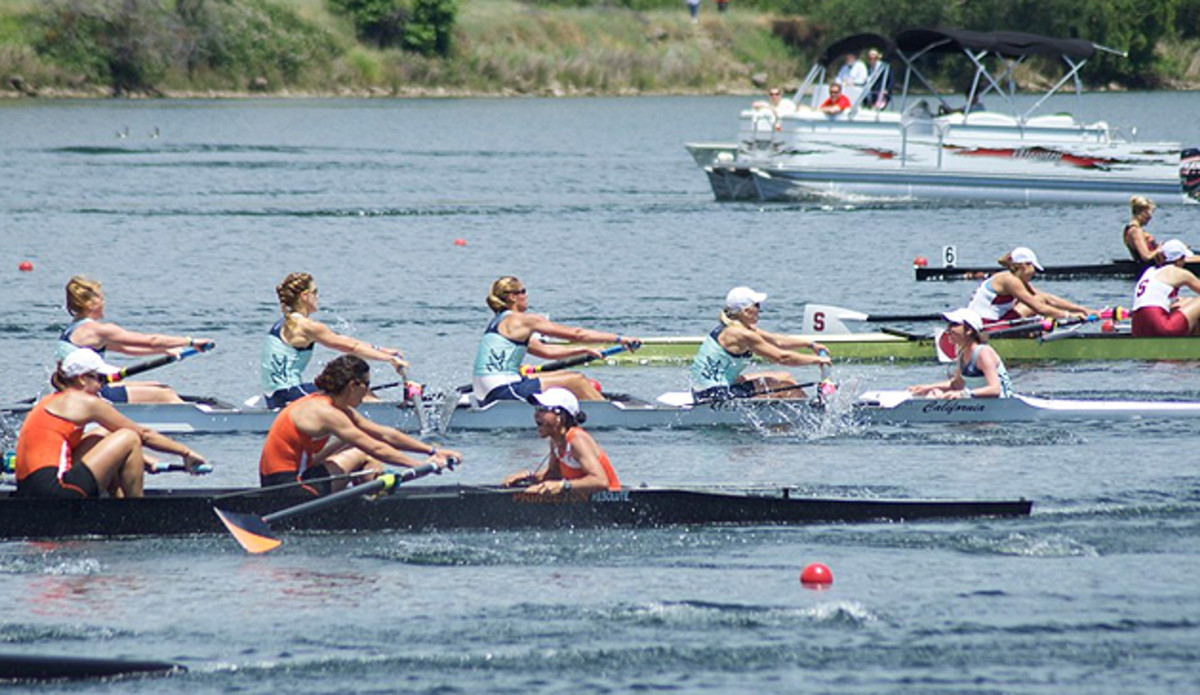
(1119, 268)
(34, 667)
(461, 507)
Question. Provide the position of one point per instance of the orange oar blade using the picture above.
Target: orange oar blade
(250, 531)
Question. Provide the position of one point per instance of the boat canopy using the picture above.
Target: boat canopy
(1007, 43)
(857, 44)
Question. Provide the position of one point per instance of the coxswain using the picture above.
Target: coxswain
(1008, 294)
(289, 344)
(980, 373)
(320, 439)
(511, 333)
(726, 352)
(56, 458)
(1157, 308)
(576, 463)
(85, 303)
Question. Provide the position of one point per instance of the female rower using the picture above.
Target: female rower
(980, 373)
(1008, 295)
(289, 345)
(1157, 310)
(299, 446)
(55, 458)
(716, 371)
(1141, 245)
(576, 461)
(85, 303)
(510, 334)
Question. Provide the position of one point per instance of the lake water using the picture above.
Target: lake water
(597, 207)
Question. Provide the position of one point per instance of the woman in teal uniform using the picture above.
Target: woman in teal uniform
(717, 370)
(289, 345)
(510, 334)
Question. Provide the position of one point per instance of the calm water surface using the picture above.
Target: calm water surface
(596, 206)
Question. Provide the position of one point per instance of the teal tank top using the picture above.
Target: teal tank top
(716, 366)
(497, 354)
(973, 377)
(65, 346)
(282, 365)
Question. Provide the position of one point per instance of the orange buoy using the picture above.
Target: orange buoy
(25, 266)
(460, 242)
(920, 261)
(816, 575)
(1107, 326)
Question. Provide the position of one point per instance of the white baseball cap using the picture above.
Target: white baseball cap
(965, 316)
(740, 298)
(1175, 249)
(558, 398)
(85, 361)
(1023, 254)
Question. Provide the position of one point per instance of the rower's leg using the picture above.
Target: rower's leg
(351, 461)
(1190, 308)
(773, 381)
(151, 392)
(574, 382)
(116, 462)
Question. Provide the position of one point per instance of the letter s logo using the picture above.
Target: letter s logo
(819, 321)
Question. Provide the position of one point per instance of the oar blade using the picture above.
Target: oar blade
(250, 531)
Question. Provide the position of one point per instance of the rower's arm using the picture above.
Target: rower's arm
(1066, 304)
(1041, 302)
(554, 352)
(1141, 246)
(1186, 278)
(986, 361)
(352, 346)
(399, 440)
(132, 343)
(355, 434)
(103, 412)
(762, 347)
(790, 342)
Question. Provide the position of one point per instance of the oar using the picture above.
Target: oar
(826, 319)
(254, 532)
(451, 402)
(826, 388)
(683, 399)
(271, 489)
(159, 467)
(158, 362)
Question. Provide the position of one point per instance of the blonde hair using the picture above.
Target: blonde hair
(289, 291)
(1138, 204)
(1007, 263)
(502, 289)
(82, 292)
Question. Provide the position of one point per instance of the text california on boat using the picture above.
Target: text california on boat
(931, 149)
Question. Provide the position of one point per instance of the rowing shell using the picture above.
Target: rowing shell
(187, 512)
(899, 346)
(1118, 268)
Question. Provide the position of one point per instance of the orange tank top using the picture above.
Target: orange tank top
(573, 470)
(287, 449)
(46, 440)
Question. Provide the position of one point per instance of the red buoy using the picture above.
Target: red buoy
(25, 266)
(1107, 326)
(460, 242)
(596, 385)
(920, 261)
(816, 576)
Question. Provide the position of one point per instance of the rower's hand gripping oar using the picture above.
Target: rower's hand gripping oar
(826, 388)
(1116, 314)
(157, 362)
(254, 532)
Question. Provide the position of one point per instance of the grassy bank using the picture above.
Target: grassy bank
(500, 47)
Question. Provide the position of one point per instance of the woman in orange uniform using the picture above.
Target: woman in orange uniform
(55, 458)
(322, 436)
(576, 461)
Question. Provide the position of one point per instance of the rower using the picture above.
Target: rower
(510, 334)
(85, 303)
(1157, 309)
(300, 448)
(980, 372)
(289, 344)
(56, 458)
(576, 461)
(1142, 247)
(1008, 294)
(725, 353)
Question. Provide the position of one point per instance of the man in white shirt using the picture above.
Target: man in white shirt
(852, 74)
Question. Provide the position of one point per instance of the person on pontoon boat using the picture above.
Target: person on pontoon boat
(836, 103)
(57, 458)
(1157, 308)
(320, 439)
(776, 103)
(289, 344)
(512, 332)
(717, 370)
(1009, 295)
(980, 372)
(576, 463)
(85, 303)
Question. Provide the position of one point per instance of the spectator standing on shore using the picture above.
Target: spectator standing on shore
(694, 10)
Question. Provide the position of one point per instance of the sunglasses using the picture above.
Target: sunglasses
(774, 94)
(520, 291)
